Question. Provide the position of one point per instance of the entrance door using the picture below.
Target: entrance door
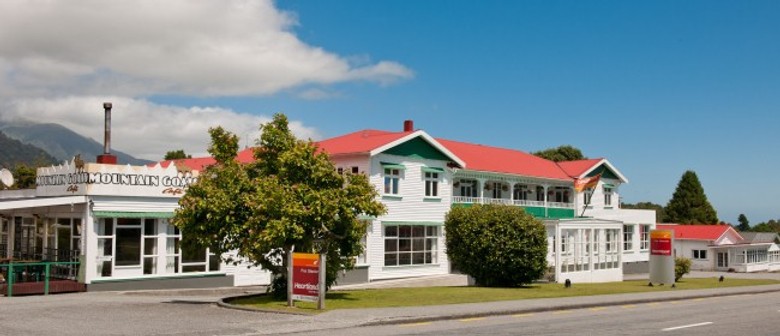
(63, 243)
(723, 259)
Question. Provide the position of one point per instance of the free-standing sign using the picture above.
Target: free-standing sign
(661, 257)
(661, 242)
(306, 277)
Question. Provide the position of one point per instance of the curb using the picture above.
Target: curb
(221, 303)
(404, 320)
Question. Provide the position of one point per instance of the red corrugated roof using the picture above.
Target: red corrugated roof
(503, 160)
(200, 163)
(578, 167)
(477, 157)
(359, 142)
(696, 232)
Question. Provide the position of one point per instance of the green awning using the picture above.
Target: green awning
(432, 169)
(607, 185)
(388, 165)
(128, 214)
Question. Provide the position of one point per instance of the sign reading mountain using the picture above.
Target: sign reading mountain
(60, 142)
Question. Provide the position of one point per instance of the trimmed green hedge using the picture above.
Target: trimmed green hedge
(497, 245)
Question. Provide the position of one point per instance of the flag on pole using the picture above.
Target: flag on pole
(586, 183)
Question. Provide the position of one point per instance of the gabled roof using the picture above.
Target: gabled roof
(697, 231)
(582, 168)
(759, 237)
(503, 160)
(360, 142)
(373, 142)
(578, 168)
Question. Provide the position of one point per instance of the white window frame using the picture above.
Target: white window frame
(431, 184)
(431, 237)
(644, 237)
(628, 237)
(392, 181)
(607, 197)
(699, 254)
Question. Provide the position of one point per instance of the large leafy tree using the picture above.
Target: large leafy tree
(290, 197)
(561, 153)
(176, 155)
(498, 245)
(744, 224)
(689, 204)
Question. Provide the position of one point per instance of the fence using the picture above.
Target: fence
(26, 272)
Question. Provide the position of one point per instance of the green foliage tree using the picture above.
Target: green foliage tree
(769, 226)
(177, 155)
(659, 209)
(689, 204)
(744, 224)
(682, 266)
(497, 245)
(561, 153)
(290, 197)
(24, 176)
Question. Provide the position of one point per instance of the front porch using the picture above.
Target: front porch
(540, 198)
(748, 258)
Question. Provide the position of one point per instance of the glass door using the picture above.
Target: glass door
(723, 259)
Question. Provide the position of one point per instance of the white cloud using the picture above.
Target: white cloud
(144, 47)
(142, 128)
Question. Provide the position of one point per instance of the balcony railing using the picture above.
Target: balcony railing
(506, 201)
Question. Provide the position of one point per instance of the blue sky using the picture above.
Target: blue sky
(657, 87)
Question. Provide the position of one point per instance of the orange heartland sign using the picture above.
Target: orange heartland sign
(661, 242)
(586, 183)
(306, 277)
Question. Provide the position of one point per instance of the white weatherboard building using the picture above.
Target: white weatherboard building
(114, 219)
(722, 248)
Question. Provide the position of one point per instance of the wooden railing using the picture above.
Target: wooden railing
(506, 201)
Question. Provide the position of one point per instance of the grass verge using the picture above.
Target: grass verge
(425, 296)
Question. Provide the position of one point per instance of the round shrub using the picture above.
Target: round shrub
(682, 266)
(497, 245)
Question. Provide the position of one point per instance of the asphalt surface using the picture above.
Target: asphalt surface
(194, 312)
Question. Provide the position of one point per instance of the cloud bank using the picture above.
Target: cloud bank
(149, 47)
(59, 60)
(142, 128)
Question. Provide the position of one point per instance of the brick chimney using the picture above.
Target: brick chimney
(408, 125)
(106, 157)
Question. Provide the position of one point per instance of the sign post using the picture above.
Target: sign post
(308, 278)
(661, 257)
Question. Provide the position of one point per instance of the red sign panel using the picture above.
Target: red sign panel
(661, 243)
(306, 276)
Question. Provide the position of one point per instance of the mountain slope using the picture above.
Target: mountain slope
(61, 142)
(13, 152)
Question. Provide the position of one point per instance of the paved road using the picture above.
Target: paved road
(754, 314)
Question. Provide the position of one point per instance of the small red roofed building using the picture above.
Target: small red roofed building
(722, 248)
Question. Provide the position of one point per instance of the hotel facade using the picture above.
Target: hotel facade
(115, 219)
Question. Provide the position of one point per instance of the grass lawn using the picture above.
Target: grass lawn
(400, 297)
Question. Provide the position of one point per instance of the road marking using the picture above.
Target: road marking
(472, 319)
(558, 312)
(674, 302)
(698, 299)
(653, 304)
(628, 306)
(597, 308)
(416, 324)
(523, 315)
(687, 326)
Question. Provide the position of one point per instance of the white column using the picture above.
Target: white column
(512, 193)
(557, 249)
(90, 243)
(481, 190)
(545, 186)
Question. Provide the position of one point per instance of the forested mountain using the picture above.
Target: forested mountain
(60, 142)
(14, 152)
